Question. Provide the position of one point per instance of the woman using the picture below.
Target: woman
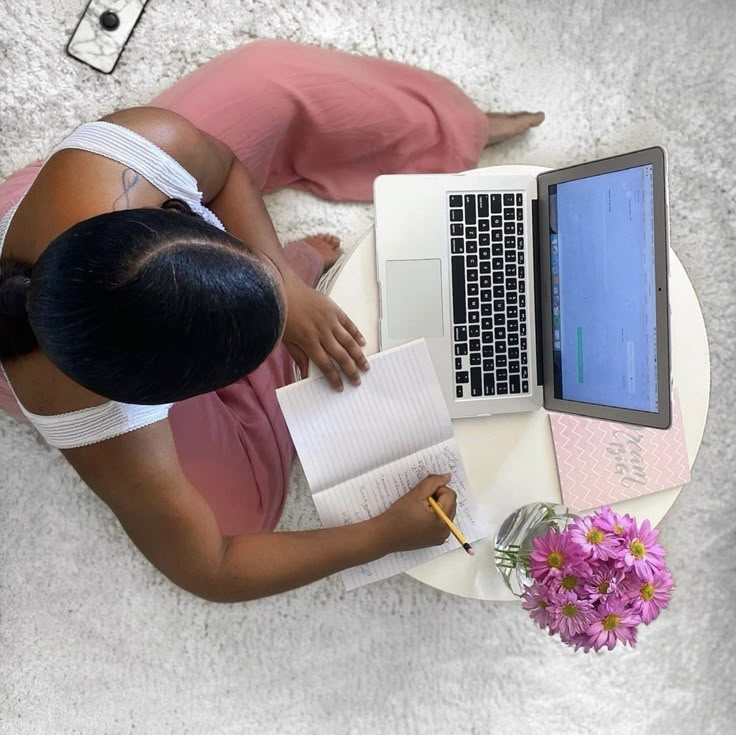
(140, 269)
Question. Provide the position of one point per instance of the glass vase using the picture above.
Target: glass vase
(513, 543)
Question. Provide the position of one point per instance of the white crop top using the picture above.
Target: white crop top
(92, 425)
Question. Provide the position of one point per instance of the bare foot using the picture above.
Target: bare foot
(505, 125)
(328, 246)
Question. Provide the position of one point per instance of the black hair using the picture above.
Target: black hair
(143, 306)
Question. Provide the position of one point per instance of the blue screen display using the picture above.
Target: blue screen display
(603, 289)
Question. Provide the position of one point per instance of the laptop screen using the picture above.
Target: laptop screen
(604, 325)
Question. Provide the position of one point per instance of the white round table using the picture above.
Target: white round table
(510, 458)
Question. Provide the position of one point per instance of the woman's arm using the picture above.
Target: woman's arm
(239, 205)
(263, 564)
(138, 476)
(315, 325)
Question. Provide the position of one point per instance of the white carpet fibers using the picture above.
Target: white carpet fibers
(94, 640)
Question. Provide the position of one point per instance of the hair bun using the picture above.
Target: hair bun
(14, 295)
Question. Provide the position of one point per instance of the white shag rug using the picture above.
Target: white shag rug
(94, 640)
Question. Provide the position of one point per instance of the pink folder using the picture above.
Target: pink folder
(602, 462)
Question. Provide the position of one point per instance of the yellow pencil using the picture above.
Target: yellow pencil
(455, 530)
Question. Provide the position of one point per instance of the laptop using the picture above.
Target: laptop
(530, 291)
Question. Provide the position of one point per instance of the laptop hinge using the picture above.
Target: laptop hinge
(536, 244)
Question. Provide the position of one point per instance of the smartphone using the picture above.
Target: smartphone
(103, 31)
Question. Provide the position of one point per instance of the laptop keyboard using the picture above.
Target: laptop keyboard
(489, 294)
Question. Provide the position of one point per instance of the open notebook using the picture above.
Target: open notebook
(366, 447)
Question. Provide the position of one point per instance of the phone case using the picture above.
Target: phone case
(103, 31)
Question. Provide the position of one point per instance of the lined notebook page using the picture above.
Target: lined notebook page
(363, 449)
(396, 411)
(370, 494)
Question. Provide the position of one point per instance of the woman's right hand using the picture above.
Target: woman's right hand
(411, 523)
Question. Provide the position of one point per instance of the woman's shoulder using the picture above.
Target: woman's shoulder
(42, 389)
(72, 186)
(79, 180)
(170, 131)
(76, 183)
(204, 157)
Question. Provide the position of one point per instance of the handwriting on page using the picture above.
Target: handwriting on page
(367, 496)
(628, 454)
(604, 462)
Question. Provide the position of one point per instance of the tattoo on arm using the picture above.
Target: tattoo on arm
(130, 179)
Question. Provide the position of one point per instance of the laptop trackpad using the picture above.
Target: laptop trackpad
(414, 298)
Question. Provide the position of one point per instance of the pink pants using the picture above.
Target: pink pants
(306, 118)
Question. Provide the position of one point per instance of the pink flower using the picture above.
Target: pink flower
(617, 525)
(613, 622)
(592, 539)
(570, 615)
(642, 553)
(569, 581)
(536, 601)
(647, 598)
(604, 581)
(577, 641)
(555, 554)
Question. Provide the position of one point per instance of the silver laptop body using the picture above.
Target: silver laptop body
(415, 262)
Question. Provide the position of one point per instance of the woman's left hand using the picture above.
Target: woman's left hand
(318, 329)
